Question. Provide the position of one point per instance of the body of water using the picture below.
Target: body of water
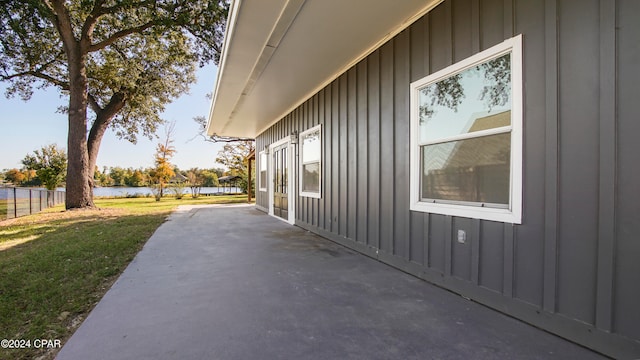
(144, 191)
(123, 191)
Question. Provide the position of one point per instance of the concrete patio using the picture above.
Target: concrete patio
(229, 282)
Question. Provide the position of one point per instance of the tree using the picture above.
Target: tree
(195, 181)
(234, 156)
(30, 178)
(164, 170)
(210, 178)
(218, 171)
(135, 179)
(101, 178)
(118, 175)
(14, 176)
(124, 60)
(50, 164)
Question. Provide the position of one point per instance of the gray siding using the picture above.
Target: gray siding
(621, 173)
(572, 266)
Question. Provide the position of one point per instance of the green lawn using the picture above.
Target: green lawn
(56, 265)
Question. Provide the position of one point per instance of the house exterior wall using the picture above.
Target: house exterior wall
(572, 266)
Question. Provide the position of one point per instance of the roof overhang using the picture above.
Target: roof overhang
(278, 53)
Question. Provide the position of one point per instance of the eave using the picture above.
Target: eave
(278, 53)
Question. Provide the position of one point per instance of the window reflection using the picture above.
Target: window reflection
(452, 105)
(311, 155)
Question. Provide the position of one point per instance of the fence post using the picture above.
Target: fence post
(15, 203)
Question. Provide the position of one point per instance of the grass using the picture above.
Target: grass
(56, 265)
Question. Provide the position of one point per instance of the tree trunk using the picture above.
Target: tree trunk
(93, 146)
(79, 192)
(99, 127)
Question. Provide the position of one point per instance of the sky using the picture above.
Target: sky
(28, 126)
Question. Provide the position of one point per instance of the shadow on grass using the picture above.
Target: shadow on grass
(49, 283)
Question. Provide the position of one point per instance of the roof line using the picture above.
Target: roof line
(405, 24)
(287, 16)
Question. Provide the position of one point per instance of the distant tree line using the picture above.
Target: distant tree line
(119, 176)
(47, 167)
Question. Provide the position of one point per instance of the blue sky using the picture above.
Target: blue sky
(27, 126)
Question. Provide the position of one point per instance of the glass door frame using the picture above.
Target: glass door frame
(291, 170)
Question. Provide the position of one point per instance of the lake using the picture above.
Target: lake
(122, 191)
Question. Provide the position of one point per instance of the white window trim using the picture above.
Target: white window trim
(514, 213)
(261, 186)
(315, 195)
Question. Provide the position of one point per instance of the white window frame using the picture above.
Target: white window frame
(512, 214)
(261, 186)
(316, 195)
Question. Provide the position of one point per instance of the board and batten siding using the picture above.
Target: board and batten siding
(572, 267)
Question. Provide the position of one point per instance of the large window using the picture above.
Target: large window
(466, 137)
(263, 171)
(311, 162)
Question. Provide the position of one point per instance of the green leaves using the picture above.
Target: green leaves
(125, 59)
(50, 164)
(142, 51)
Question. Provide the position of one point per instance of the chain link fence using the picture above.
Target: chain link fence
(16, 202)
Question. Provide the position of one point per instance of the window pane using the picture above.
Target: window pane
(263, 161)
(311, 177)
(475, 170)
(263, 179)
(475, 99)
(311, 146)
(277, 168)
(285, 168)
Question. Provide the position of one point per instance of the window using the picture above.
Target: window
(466, 137)
(262, 183)
(311, 162)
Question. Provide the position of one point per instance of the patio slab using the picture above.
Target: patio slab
(229, 282)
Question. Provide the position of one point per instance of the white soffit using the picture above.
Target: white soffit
(278, 53)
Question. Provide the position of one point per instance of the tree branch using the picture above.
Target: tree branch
(115, 8)
(227, 139)
(116, 103)
(62, 20)
(41, 70)
(104, 116)
(90, 24)
(120, 34)
(59, 83)
(93, 103)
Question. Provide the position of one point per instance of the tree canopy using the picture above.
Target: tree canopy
(49, 163)
(123, 60)
(234, 155)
